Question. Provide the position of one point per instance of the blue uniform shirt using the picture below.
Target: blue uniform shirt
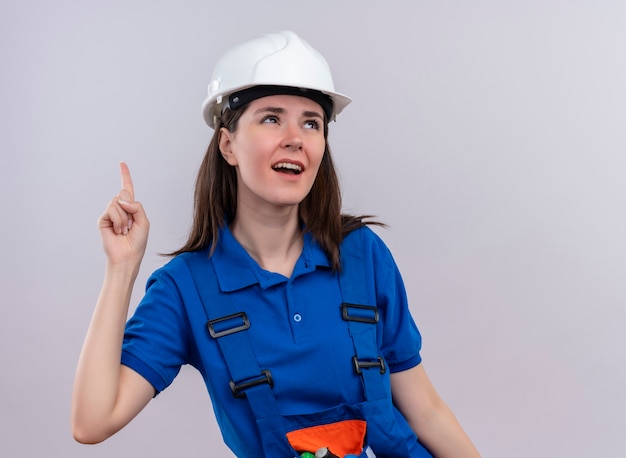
(296, 330)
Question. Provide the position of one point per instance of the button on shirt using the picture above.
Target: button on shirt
(295, 327)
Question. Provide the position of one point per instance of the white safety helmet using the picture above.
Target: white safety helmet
(276, 63)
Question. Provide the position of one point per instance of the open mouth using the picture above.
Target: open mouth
(288, 167)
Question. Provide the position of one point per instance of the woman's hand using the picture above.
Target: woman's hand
(123, 225)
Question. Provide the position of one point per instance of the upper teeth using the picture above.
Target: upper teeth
(288, 165)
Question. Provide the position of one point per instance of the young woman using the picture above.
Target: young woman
(294, 313)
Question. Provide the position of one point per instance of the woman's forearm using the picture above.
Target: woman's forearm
(429, 416)
(443, 435)
(98, 373)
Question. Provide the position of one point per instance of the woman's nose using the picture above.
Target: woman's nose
(292, 138)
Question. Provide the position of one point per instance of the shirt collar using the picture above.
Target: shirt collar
(236, 269)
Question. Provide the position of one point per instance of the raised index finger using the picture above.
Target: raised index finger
(127, 182)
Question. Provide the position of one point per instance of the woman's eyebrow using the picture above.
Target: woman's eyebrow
(312, 114)
(276, 110)
(279, 110)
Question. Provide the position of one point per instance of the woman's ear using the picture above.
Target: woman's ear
(225, 144)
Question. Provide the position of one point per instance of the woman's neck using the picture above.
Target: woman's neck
(275, 241)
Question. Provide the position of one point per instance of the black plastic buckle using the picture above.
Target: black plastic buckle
(361, 318)
(358, 365)
(228, 330)
(239, 388)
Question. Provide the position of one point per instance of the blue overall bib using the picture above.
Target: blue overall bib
(227, 324)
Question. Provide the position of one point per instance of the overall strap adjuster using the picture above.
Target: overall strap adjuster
(361, 313)
(239, 389)
(226, 325)
(368, 364)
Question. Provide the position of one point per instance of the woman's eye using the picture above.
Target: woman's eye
(312, 124)
(270, 119)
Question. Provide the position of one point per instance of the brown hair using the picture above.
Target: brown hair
(215, 199)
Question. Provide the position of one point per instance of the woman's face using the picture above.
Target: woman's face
(276, 149)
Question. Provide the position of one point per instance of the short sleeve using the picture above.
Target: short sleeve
(156, 339)
(401, 339)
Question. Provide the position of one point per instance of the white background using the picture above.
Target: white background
(489, 135)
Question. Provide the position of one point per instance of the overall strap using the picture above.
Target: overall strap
(227, 325)
(360, 312)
